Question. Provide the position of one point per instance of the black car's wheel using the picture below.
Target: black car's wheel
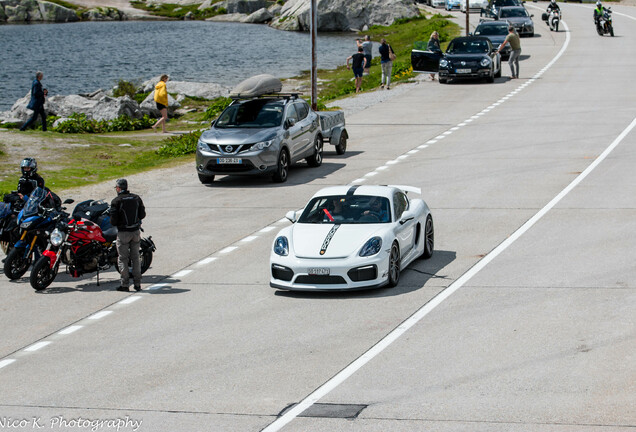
(394, 266)
(429, 238)
(206, 179)
(16, 264)
(282, 168)
(42, 274)
(315, 160)
(341, 147)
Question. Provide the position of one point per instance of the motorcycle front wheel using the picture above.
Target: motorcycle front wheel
(16, 264)
(42, 274)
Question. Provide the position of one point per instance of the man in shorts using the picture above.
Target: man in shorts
(358, 64)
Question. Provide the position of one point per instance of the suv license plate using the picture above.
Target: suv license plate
(320, 271)
(462, 71)
(229, 161)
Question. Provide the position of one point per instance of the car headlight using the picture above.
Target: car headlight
(485, 62)
(371, 247)
(443, 62)
(25, 225)
(203, 146)
(56, 237)
(261, 145)
(281, 246)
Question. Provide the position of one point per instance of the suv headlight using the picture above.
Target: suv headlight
(56, 237)
(203, 146)
(281, 246)
(261, 145)
(485, 62)
(371, 247)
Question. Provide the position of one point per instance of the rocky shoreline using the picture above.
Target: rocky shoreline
(291, 15)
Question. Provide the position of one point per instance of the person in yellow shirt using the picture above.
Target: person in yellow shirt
(161, 99)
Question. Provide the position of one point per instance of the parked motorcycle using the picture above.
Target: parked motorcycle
(35, 220)
(84, 246)
(604, 24)
(9, 229)
(552, 19)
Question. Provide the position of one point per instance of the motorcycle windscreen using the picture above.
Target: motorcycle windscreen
(425, 61)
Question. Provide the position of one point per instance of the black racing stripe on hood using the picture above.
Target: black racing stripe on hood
(352, 189)
(330, 234)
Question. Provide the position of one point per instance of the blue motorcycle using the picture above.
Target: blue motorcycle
(35, 221)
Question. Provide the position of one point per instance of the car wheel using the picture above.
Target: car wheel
(205, 179)
(394, 266)
(282, 168)
(315, 160)
(342, 145)
(429, 238)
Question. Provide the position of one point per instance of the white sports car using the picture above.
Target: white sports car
(352, 237)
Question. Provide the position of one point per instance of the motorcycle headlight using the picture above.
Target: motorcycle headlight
(261, 145)
(203, 146)
(371, 247)
(281, 246)
(56, 237)
(485, 62)
(25, 225)
(443, 62)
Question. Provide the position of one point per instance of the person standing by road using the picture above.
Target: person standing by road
(515, 45)
(126, 212)
(161, 99)
(386, 63)
(433, 46)
(367, 48)
(357, 65)
(38, 95)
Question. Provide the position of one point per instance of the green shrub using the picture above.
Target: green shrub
(79, 123)
(180, 145)
(218, 105)
(125, 88)
(140, 97)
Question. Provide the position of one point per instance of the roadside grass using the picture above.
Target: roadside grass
(87, 158)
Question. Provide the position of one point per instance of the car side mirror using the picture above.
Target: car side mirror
(290, 122)
(531, 15)
(212, 122)
(291, 215)
(405, 219)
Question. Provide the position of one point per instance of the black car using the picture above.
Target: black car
(492, 10)
(465, 57)
(496, 31)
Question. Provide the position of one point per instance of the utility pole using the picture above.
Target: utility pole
(314, 57)
(467, 19)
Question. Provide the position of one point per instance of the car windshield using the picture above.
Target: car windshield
(257, 113)
(468, 47)
(513, 13)
(347, 209)
(492, 30)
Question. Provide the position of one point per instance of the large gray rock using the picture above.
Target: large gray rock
(34, 11)
(343, 15)
(104, 14)
(108, 108)
(56, 13)
(244, 6)
(259, 17)
(233, 17)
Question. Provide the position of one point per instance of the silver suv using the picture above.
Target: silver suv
(260, 136)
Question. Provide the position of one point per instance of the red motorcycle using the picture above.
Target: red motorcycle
(84, 248)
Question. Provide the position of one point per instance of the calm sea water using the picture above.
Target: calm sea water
(83, 57)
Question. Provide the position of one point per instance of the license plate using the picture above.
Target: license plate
(320, 271)
(229, 161)
(462, 71)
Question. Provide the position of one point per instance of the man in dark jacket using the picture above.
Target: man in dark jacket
(126, 212)
(36, 103)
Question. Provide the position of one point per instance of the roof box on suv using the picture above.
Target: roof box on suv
(257, 86)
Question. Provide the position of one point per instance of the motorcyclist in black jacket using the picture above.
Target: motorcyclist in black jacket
(30, 178)
(553, 6)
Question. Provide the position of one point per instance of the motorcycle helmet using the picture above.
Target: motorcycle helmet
(598, 4)
(28, 166)
(553, 2)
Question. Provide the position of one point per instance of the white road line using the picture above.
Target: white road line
(431, 141)
(423, 146)
(267, 229)
(249, 239)
(353, 367)
(403, 157)
(208, 260)
(182, 273)
(382, 168)
(6, 362)
(439, 137)
(413, 151)
(36, 346)
(229, 249)
(99, 315)
(358, 180)
(70, 329)
(391, 162)
(129, 300)
(371, 174)
(158, 286)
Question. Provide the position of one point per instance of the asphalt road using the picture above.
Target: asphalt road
(523, 320)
